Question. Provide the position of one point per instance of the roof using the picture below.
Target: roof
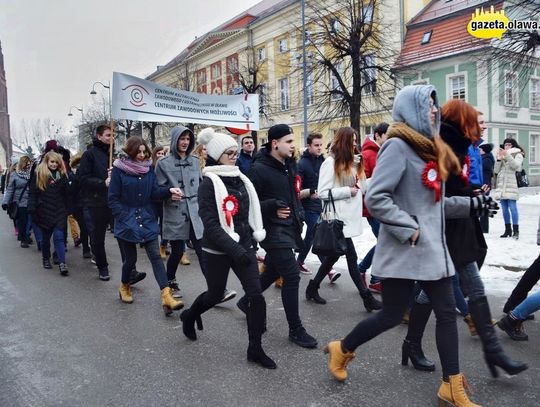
(448, 26)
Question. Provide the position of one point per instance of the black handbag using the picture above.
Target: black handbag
(328, 238)
(522, 179)
(13, 207)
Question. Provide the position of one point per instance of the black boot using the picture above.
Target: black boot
(256, 317)
(136, 276)
(312, 293)
(47, 264)
(507, 230)
(493, 352)
(370, 302)
(513, 327)
(516, 232)
(414, 352)
(191, 316)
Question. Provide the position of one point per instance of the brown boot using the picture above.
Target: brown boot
(184, 261)
(454, 392)
(279, 283)
(338, 360)
(163, 252)
(169, 303)
(125, 293)
(470, 323)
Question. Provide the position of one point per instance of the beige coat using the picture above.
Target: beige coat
(505, 171)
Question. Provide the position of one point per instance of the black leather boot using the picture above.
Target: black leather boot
(47, 264)
(513, 327)
(516, 232)
(312, 293)
(507, 230)
(493, 352)
(414, 352)
(370, 302)
(412, 345)
(256, 317)
(192, 316)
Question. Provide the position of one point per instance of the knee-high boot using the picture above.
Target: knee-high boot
(192, 315)
(493, 352)
(256, 319)
(412, 345)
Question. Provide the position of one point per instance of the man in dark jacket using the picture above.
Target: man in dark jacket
(247, 154)
(94, 178)
(275, 178)
(488, 165)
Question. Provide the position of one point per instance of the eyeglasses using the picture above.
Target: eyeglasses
(231, 154)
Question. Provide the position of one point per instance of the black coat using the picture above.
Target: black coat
(49, 208)
(308, 169)
(214, 236)
(464, 236)
(488, 165)
(275, 185)
(92, 174)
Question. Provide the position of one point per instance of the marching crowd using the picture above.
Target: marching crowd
(424, 184)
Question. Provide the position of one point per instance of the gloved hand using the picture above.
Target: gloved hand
(483, 205)
(4, 207)
(244, 260)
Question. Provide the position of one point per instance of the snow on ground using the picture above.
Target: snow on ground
(504, 255)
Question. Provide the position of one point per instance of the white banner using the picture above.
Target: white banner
(137, 99)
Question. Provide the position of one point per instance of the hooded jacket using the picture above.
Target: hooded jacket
(505, 170)
(309, 167)
(398, 198)
(184, 173)
(17, 190)
(370, 149)
(274, 183)
(92, 174)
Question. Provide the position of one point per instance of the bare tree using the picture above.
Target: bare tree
(151, 126)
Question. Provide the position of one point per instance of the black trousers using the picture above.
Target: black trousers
(22, 222)
(396, 296)
(282, 263)
(101, 217)
(79, 217)
(177, 250)
(525, 284)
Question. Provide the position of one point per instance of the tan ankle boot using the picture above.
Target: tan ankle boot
(169, 303)
(163, 252)
(279, 282)
(184, 261)
(470, 323)
(454, 392)
(338, 360)
(125, 293)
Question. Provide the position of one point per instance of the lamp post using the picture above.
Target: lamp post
(304, 70)
(80, 109)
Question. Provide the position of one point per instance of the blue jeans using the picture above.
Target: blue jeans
(311, 219)
(58, 240)
(530, 305)
(509, 208)
(368, 258)
(471, 283)
(129, 250)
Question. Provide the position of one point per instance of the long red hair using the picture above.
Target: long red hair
(465, 116)
(343, 150)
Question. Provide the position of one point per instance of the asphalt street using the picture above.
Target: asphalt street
(69, 341)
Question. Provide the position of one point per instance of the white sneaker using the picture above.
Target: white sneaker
(333, 275)
(228, 295)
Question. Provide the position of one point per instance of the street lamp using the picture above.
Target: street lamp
(93, 92)
(80, 109)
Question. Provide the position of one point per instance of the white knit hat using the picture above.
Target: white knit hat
(216, 143)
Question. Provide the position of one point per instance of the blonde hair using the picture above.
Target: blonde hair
(23, 162)
(198, 152)
(44, 173)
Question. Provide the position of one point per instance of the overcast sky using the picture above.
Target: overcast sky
(54, 50)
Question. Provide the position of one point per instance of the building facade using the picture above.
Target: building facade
(5, 138)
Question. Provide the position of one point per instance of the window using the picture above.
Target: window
(216, 70)
(534, 149)
(335, 87)
(367, 13)
(263, 98)
(368, 130)
(261, 54)
(457, 87)
(510, 134)
(426, 37)
(284, 93)
(282, 45)
(201, 77)
(534, 94)
(369, 74)
(510, 89)
(335, 26)
(310, 89)
(232, 65)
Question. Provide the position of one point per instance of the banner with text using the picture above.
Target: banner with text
(137, 99)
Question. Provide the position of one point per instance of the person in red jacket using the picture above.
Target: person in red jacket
(370, 149)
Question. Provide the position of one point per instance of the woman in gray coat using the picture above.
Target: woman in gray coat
(406, 195)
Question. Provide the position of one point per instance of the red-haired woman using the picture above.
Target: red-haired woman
(341, 177)
(466, 244)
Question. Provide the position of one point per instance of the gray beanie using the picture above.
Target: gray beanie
(412, 107)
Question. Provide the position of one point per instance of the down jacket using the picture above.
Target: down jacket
(14, 189)
(505, 170)
(49, 208)
(92, 174)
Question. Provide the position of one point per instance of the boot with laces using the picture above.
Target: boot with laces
(338, 360)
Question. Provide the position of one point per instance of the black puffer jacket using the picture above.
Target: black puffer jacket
(308, 169)
(49, 207)
(275, 186)
(214, 236)
(464, 236)
(92, 174)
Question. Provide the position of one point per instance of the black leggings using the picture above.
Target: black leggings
(177, 250)
(396, 295)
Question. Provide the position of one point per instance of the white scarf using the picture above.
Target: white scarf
(254, 218)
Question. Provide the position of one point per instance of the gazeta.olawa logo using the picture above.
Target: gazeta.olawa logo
(493, 24)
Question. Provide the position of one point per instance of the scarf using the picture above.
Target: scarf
(423, 146)
(132, 167)
(24, 174)
(254, 217)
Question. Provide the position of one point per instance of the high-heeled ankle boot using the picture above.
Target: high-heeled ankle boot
(454, 392)
(493, 352)
(338, 360)
(125, 293)
(312, 293)
(515, 235)
(370, 302)
(414, 352)
(169, 303)
(507, 230)
(256, 317)
(192, 316)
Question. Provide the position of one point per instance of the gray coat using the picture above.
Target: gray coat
(14, 190)
(185, 174)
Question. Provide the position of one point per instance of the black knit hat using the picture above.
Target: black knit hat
(278, 131)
